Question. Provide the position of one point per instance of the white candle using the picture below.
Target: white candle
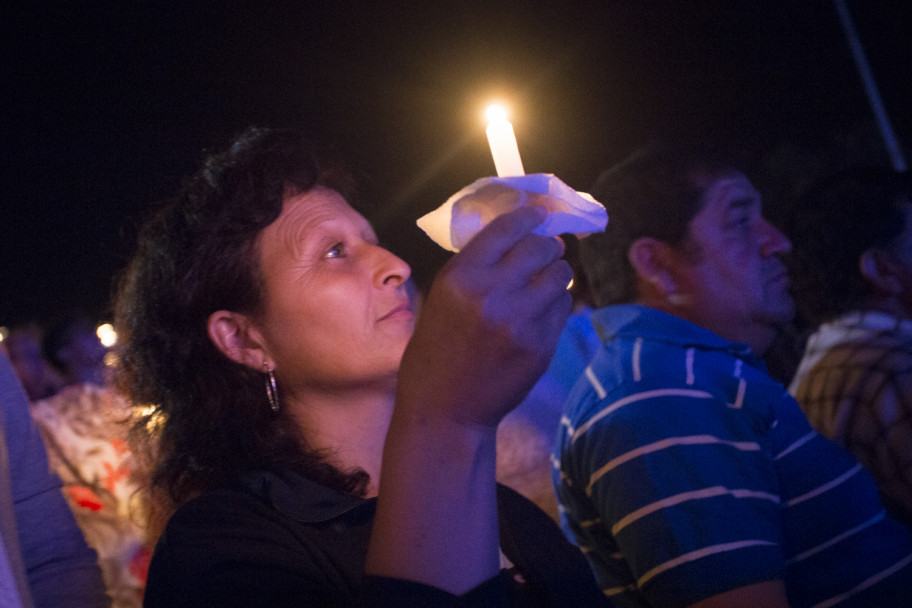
(503, 143)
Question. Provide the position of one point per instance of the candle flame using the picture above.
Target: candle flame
(495, 113)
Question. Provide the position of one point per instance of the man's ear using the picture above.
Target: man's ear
(876, 269)
(650, 259)
(237, 337)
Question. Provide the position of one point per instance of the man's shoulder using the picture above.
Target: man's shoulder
(629, 319)
(637, 383)
(622, 397)
(633, 322)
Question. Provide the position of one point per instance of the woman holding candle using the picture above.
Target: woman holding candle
(305, 465)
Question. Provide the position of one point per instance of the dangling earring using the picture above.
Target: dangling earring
(272, 392)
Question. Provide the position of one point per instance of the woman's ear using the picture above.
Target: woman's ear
(650, 259)
(235, 335)
(876, 269)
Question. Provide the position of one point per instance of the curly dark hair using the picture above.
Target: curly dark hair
(833, 223)
(210, 418)
(655, 193)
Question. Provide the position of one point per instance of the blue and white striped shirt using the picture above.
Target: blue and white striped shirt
(683, 471)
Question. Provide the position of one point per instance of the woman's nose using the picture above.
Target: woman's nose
(392, 268)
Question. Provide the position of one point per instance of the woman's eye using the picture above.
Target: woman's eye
(336, 251)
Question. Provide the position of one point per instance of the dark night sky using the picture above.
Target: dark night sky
(106, 105)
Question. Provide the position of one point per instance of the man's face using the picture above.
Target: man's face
(729, 275)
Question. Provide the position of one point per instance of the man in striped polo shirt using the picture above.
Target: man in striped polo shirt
(687, 474)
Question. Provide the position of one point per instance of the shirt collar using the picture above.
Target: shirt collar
(636, 321)
(300, 498)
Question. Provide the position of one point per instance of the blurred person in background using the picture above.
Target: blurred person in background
(85, 428)
(852, 235)
(71, 344)
(44, 559)
(38, 377)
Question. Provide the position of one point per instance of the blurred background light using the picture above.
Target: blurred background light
(106, 334)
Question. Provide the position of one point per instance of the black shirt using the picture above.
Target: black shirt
(279, 539)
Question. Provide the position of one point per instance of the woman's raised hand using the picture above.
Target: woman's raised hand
(486, 332)
(490, 323)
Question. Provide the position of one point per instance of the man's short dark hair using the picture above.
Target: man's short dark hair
(655, 193)
(834, 223)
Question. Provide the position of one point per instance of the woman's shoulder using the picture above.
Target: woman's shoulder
(282, 498)
(242, 534)
(231, 518)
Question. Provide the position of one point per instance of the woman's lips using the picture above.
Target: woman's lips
(402, 310)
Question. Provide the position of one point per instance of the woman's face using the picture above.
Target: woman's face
(336, 311)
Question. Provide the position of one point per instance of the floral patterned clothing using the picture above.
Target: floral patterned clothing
(84, 428)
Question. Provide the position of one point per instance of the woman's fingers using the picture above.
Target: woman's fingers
(502, 234)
